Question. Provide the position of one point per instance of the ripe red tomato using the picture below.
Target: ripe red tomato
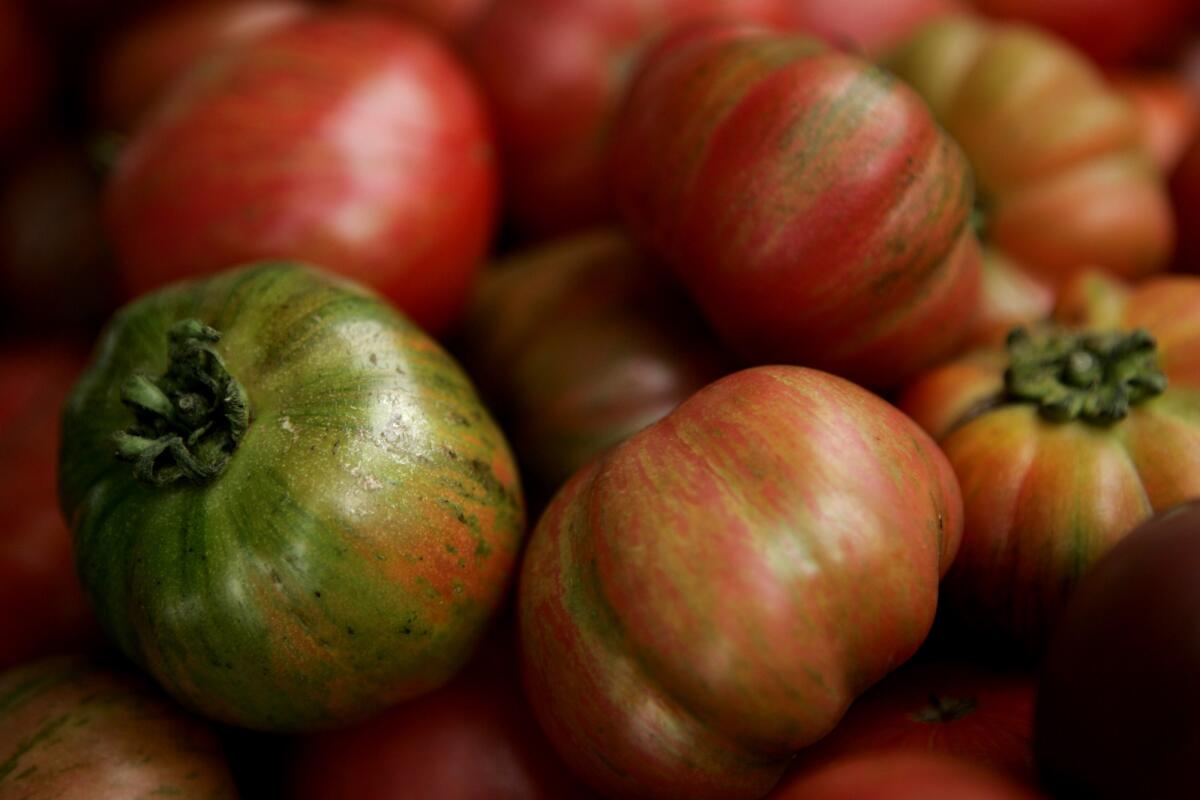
(1118, 712)
(144, 59)
(903, 776)
(1111, 31)
(872, 25)
(44, 610)
(694, 603)
(807, 201)
(1064, 443)
(474, 739)
(347, 139)
(555, 72)
(455, 19)
(942, 708)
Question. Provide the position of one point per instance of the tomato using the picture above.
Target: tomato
(74, 727)
(872, 25)
(24, 65)
(555, 72)
(55, 267)
(320, 517)
(1170, 112)
(693, 604)
(142, 62)
(1185, 192)
(347, 139)
(580, 344)
(942, 708)
(1064, 181)
(1064, 443)
(474, 739)
(1117, 712)
(903, 776)
(806, 200)
(1110, 31)
(455, 19)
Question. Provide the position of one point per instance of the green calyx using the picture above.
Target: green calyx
(946, 709)
(1093, 377)
(190, 419)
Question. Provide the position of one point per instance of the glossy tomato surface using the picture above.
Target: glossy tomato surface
(73, 727)
(693, 604)
(903, 776)
(805, 198)
(579, 344)
(44, 610)
(348, 139)
(144, 59)
(1046, 491)
(296, 517)
(1118, 713)
(555, 72)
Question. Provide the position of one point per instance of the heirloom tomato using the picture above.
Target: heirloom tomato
(555, 72)
(580, 344)
(1062, 444)
(709, 596)
(73, 727)
(1118, 714)
(144, 59)
(945, 708)
(805, 198)
(345, 138)
(42, 607)
(1064, 181)
(871, 25)
(319, 517)
(903, 776)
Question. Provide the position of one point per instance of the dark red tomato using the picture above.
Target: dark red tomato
(872, 25)
(452, 18)
(24, 67)
(1118, 711)
(54, 262)
(903, 776)
(1185, 196)
(944, 708)
(475, 739)
(555, 72)
(1111, 31)
(348, 139)
(43, 607)
(145, 59)
(807, 200)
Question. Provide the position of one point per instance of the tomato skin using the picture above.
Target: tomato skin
(980, 715)
(74, 727)
(872, 25)
(580, 344)
(1032, 527)
(357, 543)
(1169, 108)
(1117, 706)
(1110, 31)
(454, 19)
(474, 739)
(555, 72)
(334, 163)
(787, 267)
(1048, 140)
(903, 776)
(44, 607)
(142, 62)
(661, 590)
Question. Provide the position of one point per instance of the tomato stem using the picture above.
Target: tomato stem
(189, 420)
(1093, 377)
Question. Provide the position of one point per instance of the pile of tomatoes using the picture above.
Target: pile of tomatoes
(791, 399)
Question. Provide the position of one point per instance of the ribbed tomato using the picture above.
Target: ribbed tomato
(1064, 180)
(555, 72)
(142, 62)
(73, 728)
(579, 344)
(1065, 442)
(871, 25)
(805, 198)
(904, 776)
(711, 594)
(348, 139)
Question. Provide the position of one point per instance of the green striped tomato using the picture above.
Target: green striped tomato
(359, 535)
